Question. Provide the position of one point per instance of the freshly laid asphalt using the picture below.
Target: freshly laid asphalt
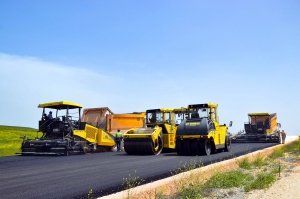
(74, 176)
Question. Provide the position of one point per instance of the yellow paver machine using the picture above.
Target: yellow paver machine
(261, 127)
(158, 135)
(69, 133)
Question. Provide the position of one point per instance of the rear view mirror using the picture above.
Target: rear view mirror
(230, 124)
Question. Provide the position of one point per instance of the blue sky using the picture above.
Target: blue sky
(138, 55)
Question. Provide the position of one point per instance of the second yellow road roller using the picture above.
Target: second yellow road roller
(158, 135)
(201, 133)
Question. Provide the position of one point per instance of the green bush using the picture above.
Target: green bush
(259, 161)
(132, 181)
(277, 153)
(296, 147)
(190, 191)
(262, 181)
(229, 179)
(245, 163)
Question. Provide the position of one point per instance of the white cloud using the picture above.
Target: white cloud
(26, 82)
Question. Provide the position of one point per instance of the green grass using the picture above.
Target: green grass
(259, 161)
(262, 181)
(245, 163)
(190, 191)
(294, 148)
(10, 141)
(277, 153)
(234, 178)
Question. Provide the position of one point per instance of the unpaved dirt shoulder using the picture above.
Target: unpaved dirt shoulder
(286, 186)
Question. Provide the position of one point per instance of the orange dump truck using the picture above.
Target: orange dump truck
(104, 118)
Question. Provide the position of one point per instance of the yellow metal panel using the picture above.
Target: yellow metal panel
(91, 132)
(82, 134)
(259, 114)
(191, 136)
(169, 141)
(124, 121)
(138, 135)
(222, 131)
(212, 105)
(105, 139)
(274, 123)
(61, 103)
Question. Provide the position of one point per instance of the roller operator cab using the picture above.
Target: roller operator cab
(158, 135)
(200, 133)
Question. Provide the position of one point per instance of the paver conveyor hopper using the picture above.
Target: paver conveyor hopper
(200, 133)
(262, 127)
(158, 135)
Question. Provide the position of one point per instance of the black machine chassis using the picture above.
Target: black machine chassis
(46, 146)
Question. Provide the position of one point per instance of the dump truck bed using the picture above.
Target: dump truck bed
(104, 118)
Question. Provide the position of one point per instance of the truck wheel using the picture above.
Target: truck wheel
(205, 147)
(227, 144)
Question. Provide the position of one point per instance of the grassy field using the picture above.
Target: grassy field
(10, 141)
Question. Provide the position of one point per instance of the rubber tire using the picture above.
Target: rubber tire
(178, 148)
(213, 148)
(227, 144)
(205, 147)
(195, 149)
(186, 146)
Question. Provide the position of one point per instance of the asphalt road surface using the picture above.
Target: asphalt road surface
(73, 176)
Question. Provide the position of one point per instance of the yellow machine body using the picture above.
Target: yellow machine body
(160, 132)
(261, 127)
(95, 135)
(201, 132)
(268, 121)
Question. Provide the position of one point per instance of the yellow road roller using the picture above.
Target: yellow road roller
(200, 133)
(158, 135)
